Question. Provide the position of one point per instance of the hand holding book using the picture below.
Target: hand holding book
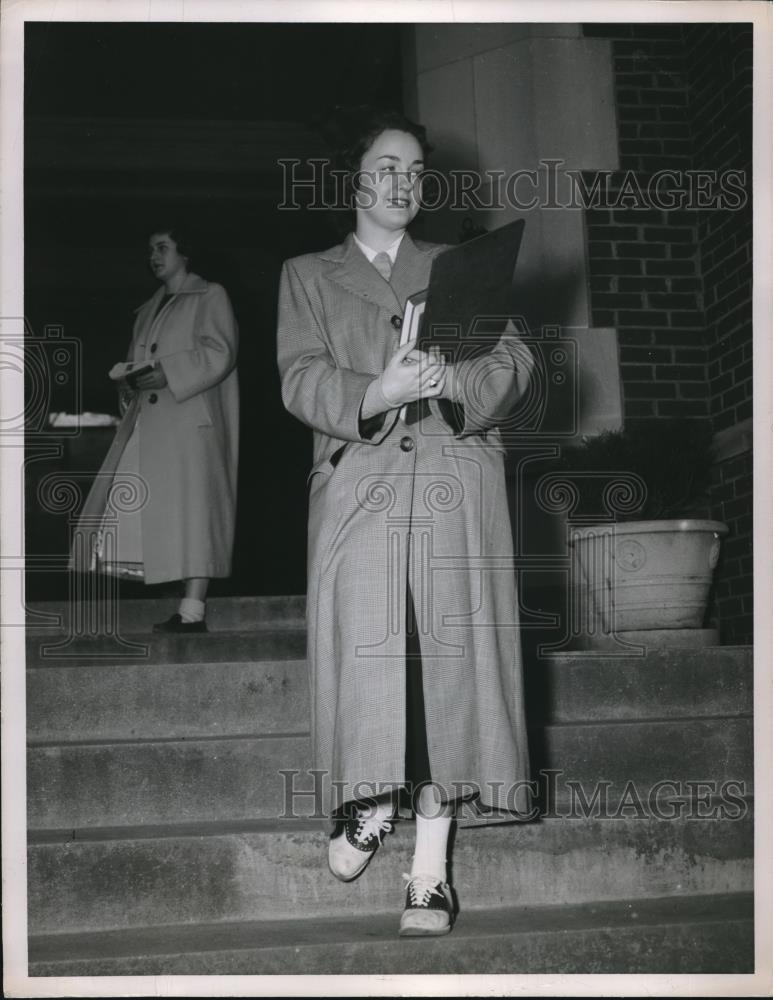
(412, 374)
(139, 374)
(407, 377)
(467, 283)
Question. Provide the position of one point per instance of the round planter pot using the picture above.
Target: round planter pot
(647, 574)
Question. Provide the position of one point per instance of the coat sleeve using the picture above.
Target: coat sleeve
(486, 388)
(314, 389)
(213, 356)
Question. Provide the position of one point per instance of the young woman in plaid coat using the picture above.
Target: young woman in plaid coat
(412, 613)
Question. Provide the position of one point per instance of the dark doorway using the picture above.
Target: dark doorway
(129, 123)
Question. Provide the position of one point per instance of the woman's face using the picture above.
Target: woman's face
(166, 262)
(388, 189)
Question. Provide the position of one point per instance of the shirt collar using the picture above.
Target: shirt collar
(390, 251)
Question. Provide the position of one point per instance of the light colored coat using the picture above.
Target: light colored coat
(402, 503)
(189, 435)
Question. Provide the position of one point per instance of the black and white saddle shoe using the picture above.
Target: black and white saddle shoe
(352, 847)
(176, 624)
(429, 907)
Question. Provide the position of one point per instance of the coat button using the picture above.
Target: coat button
(153, 348)
(407, 443)
(396, 322)
(152, 398)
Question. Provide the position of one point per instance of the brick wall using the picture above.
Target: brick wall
(645, 281)
(719, 60)
(676, 282)
(720, 69)
(644, 261)
(734, 595)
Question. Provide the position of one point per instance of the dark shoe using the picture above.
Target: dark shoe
(352, 848)
(429, 907)
(176, 624)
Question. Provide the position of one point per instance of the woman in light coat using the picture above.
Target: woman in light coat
(412, 612)
(175, 454)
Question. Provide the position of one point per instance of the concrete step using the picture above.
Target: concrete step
(662, 683)
(140, 700)
(703, 934)
(96, 880)
(163, 781)
(264, 643)
(139, 614)
(81, 785)
(99, 700)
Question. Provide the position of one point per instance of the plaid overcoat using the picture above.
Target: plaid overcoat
(392, 502)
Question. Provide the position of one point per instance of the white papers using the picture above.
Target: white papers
(125, 368)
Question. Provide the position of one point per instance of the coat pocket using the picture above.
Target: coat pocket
(335, 458)
(200, 411)
(326, 466)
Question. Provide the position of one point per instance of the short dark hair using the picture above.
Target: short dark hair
(349, 133)
(366, 126)
(181, 235)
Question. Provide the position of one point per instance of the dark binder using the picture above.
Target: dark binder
(135, 373)
(468, 303)
(469, 293)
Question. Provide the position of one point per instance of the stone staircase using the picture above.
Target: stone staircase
(160, 841)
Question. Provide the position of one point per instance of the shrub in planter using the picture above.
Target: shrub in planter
(651, 568)
(671, 458)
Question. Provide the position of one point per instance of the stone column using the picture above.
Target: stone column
(533, 102)
(513, 98)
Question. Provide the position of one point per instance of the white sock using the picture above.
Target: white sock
(432, 831)
(191, 610)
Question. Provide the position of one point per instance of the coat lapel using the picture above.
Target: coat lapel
(152, 303)
(355, 273)
(146, 313)
(192, 284)
(410, 273)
